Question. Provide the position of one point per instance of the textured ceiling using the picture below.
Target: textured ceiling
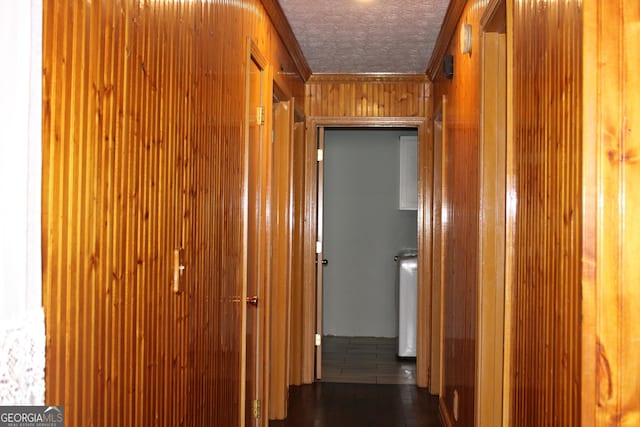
(366, 36)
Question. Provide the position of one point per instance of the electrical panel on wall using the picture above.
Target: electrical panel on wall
(408, 199)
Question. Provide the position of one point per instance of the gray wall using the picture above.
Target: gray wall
(363, 230)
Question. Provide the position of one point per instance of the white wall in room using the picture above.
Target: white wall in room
(363, 231)
(22, 328)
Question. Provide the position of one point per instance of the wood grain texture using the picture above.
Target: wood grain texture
(491, 250)
(611, 242)
(545, 198)
(459, 221)
(437, 260)
(297, 260)
(336, 95)
(143, 152)
(424, 243)
(281, 259)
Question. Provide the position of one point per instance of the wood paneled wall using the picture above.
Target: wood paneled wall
(143, 153)
(459, 222)
(571, 324)
(544, 205)
(336, 95)
(611, 234)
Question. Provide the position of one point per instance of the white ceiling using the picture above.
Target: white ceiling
(366, 36)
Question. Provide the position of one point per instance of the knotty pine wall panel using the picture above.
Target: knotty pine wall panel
(335, 95)
(611, 238)
(143, 153)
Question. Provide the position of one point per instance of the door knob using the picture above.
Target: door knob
(325, 262)
(253, 300)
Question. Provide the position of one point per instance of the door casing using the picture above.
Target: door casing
(311, 364)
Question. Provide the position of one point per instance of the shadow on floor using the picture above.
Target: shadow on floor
(360, 405)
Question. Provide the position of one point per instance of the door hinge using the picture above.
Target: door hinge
(318, 247)
(256, 408)
(260, 116)
(318, 340)
(320, 154)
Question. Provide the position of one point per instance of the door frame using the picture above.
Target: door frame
(264, 231)
(281, 260)
(310, 303)
(436, 378)
(492, 249)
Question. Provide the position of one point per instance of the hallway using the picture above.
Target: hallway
(163, 163)
(360, 405)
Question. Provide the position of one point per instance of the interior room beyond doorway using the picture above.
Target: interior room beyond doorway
(364, 229)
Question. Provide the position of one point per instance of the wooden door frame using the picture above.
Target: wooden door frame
(280, 287)
(436, 378)
(492, 227)
(254, 54)
(425, 154)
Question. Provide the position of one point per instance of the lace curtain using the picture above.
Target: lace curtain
(22, 359)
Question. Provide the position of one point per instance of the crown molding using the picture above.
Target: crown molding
(280, 22)
(449, 25)
(369, 78)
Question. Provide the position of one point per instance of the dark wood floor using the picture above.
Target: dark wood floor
(360, 405)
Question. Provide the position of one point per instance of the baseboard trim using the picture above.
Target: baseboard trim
(443, 412)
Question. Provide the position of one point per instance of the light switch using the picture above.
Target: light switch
(179, 275)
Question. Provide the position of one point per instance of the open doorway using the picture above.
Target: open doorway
(365, 226)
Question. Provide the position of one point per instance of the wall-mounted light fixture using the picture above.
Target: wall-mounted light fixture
(465, 39)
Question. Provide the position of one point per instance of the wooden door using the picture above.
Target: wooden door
(253, 205)
(259, 178)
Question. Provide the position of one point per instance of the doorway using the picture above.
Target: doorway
(258, 187)
(492, 340)
(364, 226)
(311, 357)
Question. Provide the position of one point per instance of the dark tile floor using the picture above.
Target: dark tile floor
(365, 360)
(363, 385)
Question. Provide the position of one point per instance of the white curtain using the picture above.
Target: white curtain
(22, 331)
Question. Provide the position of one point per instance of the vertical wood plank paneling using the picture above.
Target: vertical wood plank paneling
(611, 274)
(335, 95)
(143, 130)
(547, 156)
(460, 221)
(544, 197)
(571, 335)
